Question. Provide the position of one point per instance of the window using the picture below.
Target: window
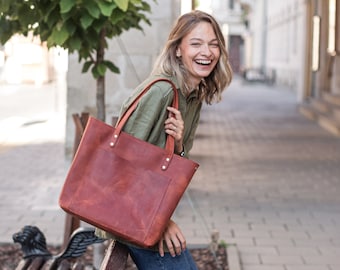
(331, 26)
(231, 4)
(316, 43)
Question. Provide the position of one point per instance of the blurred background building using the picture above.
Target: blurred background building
(295, 43)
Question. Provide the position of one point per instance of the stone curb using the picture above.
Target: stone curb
(233, 257)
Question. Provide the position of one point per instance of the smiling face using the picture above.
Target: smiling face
(199, 51)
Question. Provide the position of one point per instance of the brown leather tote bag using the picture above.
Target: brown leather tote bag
(124, 185)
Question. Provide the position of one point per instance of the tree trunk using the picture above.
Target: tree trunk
(100, 96)
(98, 250)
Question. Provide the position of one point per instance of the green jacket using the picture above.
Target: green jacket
(147, 121)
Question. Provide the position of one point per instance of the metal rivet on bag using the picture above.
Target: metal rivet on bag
(167, 159)
(116, 136)
(112, 144)
(163, 167)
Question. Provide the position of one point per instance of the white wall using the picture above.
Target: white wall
(257, 24)
(286, 41)
(276, 40)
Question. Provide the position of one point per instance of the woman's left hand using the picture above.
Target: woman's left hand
(174, 126)
(174, 239)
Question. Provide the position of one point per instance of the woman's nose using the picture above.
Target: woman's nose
(205, 50)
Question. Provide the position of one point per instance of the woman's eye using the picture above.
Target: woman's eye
(214, 45)
(196, 44)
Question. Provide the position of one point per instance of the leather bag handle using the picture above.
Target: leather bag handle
(170, 141)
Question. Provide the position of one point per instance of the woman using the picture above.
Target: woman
(196, 61)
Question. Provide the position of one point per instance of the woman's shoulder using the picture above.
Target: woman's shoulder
(159, 91)
(164, 83)
(161, 86)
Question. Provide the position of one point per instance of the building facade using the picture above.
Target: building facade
(324, 15)
(322, 64)
(280, 37)
(299, 41)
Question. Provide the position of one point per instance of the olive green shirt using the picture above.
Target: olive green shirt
(147, 120)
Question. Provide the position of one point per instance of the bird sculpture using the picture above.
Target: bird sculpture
(37, 256)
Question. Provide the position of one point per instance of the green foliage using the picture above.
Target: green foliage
(223, 244)
(76, 25)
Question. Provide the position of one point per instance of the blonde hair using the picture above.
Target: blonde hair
(211, 88)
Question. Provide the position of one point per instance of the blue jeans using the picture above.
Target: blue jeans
(151, 260)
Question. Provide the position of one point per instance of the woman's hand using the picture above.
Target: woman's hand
(173, 238)
(174, 126)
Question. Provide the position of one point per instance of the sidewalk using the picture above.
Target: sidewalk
(32, 161)
(269, 181)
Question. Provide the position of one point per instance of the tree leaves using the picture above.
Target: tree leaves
(86, 20)
(4, 5)
(74, 24)
(111, 66)
(86, 66)
(66, 5)
(122, 4)
(58, 37)
(106, 8)
(74, 44)
(92, 8)
(77, 25)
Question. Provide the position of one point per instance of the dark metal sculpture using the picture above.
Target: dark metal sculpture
(32, 241)
(34, 248)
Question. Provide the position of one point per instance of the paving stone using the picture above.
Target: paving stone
(259, 250)
(263, 267)
(307, 267)
(282, 259)
(310, 251)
